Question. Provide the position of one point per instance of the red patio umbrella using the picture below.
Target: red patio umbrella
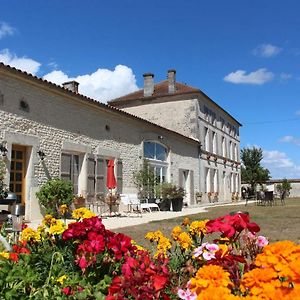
(111, 182)
(111, 179)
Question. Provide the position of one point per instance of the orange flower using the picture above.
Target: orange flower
(256, 279)
(283, 257)
(176, 232)
(210, 276)
(186, 221)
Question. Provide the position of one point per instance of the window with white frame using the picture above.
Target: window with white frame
(206, 141)
(214, 142)
(156, 154)
(223, 147)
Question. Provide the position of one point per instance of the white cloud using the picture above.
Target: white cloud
(266, 50)
(57, 77)
(285, 76)
(101, 85)
(6, 30)
(298, 112)
(280, 165)
(290, 139)
(23, 63)
(258, 77)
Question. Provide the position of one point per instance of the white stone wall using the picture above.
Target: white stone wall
(187, 116)
(56, 120)
(179, 115)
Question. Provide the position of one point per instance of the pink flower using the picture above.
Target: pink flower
(208, 255)
(212, 247)
(198, 251)
(186, 295)
(261, 241)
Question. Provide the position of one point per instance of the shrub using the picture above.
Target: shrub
(53, 194)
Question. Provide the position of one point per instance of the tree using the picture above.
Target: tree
(252, 171)
(284, 188)
(144, 180)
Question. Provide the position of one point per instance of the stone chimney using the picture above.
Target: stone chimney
(172, 81)
(71, 85)
(148, 84)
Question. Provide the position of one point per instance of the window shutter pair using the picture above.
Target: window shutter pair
(97, 175)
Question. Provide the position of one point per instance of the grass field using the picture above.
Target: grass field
(276, 222)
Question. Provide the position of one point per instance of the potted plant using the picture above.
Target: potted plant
(79, 201)
(177, 196)
(198, 196)
(53, 194)
(164, 193)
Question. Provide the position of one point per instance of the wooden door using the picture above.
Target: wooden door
(17, 172)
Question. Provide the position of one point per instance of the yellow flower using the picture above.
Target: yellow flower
(61, 279)
(164, 244)
(154, 236)
(82, 213)
(198, 227)
(175, 232)
(184, 240)
(4, 254)
(29, 234)
(63, 209)
(47, 220)
(57, 228)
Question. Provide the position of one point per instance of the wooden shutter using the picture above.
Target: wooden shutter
(65, 172)
(119, 164)
(91, 174)
(101, 169)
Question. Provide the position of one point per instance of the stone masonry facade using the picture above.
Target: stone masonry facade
(42, 116)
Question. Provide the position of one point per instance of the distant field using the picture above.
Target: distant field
(276, 222)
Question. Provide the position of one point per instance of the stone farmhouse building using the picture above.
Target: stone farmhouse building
(49, 131)
(190, 112)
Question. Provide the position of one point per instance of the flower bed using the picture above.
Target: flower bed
(223, 258)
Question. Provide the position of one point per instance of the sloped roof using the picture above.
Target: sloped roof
(85, 99)
(160, 89)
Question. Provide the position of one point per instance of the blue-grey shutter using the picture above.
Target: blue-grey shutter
(65, 167)
(119, 164)
(101, 169)
(91, 174)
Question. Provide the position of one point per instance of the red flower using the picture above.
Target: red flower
(141, 279)
(96, 241)
(67, 290)
(14, 256)
(230, 224)
(120, 244)
(94, 224)
(75, 230)
(159, 282)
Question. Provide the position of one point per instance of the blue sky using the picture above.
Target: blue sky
(243, 54)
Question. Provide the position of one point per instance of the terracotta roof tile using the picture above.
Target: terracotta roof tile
(160, 89)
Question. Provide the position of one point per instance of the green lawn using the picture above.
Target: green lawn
(276, 222)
